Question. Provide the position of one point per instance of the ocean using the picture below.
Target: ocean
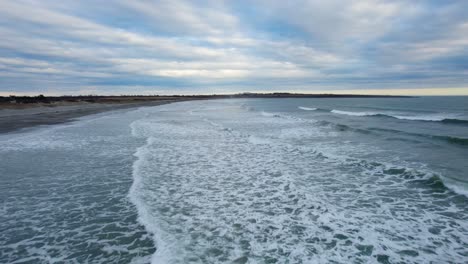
(331, 180)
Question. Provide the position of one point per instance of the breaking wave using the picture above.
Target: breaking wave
(448, 139)
(307, 108)
(239, 187)
(429, 117)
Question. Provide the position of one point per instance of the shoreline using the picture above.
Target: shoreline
(14, 120)
(20, 112)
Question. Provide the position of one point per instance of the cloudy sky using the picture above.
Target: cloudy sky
(184, 47)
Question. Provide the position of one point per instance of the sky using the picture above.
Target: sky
(417, 47)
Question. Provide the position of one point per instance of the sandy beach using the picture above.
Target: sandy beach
(16, 117)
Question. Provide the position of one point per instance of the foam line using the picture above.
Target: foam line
(307, 108)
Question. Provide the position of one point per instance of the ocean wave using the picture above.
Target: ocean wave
(268, 114)
(455, 121)
(414, 175)
(344, 128)
(430, 179)
(208, 196)
(448, 139)
(449, 119)
(307, 108)
(434, 118)
(453, 140)
(422, 178)
(439, 184)
(353, 113)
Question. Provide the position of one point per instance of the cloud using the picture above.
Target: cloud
(184, 17)
(231, 45)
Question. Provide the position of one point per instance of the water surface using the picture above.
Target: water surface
(245, 181)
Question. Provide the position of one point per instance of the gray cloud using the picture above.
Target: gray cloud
(229, 46)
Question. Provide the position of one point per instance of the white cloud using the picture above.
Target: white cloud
(335, 22)
(455, 40)
(186, 17)
(211, 43)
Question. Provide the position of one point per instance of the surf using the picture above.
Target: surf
(447, 119)
(307, 108)
(213, 185)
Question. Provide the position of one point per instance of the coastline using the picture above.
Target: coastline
(15, 119)
(19, 112)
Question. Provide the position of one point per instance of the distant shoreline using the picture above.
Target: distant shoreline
(13, 99)
(19, 112)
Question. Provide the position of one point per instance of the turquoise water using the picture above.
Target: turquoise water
(243, 181)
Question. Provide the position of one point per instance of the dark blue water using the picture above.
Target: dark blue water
(374, 180)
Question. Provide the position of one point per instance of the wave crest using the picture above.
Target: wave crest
(307, 108)
(431, 118)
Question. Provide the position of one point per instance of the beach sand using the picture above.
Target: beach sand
(16, 117)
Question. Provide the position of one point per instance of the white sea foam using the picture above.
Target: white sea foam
(258, 141)
(220, 186)
(436, 117)
(456, 185)
(216, 182)
(354, 113)
(307, 108)
(432, 117)
(268, 114)
(63, 191)
(162, 240)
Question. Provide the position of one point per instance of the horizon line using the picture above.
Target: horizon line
(452, 91)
